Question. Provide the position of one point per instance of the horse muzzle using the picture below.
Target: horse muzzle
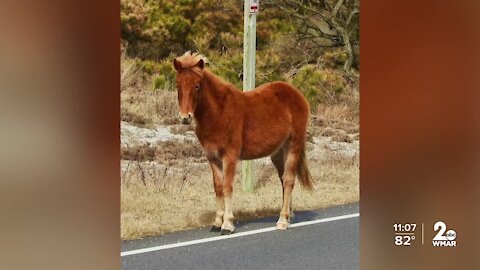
(185, 118)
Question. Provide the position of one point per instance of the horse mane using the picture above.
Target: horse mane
(189, 59)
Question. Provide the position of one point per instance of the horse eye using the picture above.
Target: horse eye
(197, 87)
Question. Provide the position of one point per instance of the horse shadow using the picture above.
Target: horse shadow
(260, 218)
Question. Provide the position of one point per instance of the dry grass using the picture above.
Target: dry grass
(158, 198)
(142, 152)
(167, 152)
(339, 121)
(342, 136)
(128, 72)
(182, 129)
(150, 106)
(141, 104)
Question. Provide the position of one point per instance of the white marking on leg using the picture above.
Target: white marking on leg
(220, 211)
(228, 215)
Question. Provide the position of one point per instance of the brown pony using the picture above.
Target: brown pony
(231, 125)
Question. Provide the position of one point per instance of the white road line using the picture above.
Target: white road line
(240, 234)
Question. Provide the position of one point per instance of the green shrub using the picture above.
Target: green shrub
(334, 59)
(162, 72)
(160, 82)
(167, 73)
(146, 67)
(268, 67)
(229, 67)
(319, 85)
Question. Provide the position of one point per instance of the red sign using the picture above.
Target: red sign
(254, 6)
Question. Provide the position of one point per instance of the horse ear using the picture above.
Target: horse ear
(177, 64)
(200, 64)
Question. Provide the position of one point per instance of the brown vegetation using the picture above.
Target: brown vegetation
(173, 198)
(167, 152)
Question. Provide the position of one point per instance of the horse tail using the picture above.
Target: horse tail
(303, 173)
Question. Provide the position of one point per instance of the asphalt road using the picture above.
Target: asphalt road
(324, 243)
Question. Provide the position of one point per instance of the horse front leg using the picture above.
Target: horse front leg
(229, 165)
(217, 168)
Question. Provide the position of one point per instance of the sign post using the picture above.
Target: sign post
(249, 48)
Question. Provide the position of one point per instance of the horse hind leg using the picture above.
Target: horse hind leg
(292, 157)
(278, 160)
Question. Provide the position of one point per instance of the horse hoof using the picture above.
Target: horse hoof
(226, 232)
(215, 229)
(282, 226)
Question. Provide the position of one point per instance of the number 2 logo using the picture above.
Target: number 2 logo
(441, 227)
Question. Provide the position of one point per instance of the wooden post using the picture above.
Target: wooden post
(249, 48)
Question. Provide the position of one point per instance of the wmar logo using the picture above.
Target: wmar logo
(443, 239)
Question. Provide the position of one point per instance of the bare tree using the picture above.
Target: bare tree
(326, 23)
